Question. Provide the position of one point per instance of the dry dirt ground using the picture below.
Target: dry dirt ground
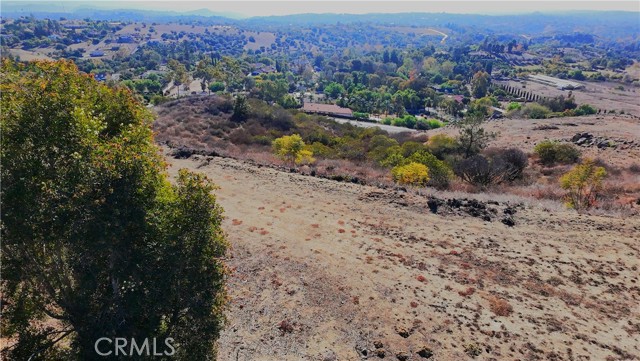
(601, 95)
(526, 133)
(337, 271)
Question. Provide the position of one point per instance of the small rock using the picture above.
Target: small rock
(425, 352)
(403, 332)
(508, 221)
(402, 356)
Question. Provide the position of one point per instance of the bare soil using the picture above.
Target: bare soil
(325, 270)
(526, 133)
(604, 95)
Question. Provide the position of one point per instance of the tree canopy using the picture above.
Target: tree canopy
(93, 234)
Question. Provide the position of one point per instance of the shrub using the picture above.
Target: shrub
(440, 174)
(441, 145)
(407, 121)
(500, 307)
(305, 156)
(582, 184)
(361, 116)
(535, 111)
(499, 166)
(288, 148)
(413, 174)
(585, 109)
(514, 106)
(426, 124)
(379, 146)
(216, 86)
(510, 162)
(393, 157)
(551, 152)
(475, 170)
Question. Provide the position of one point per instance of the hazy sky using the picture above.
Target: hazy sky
(264, 7)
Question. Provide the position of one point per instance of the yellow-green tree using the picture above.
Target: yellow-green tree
(291, 149)
(582, 184)
(412, 174)
(94, 236)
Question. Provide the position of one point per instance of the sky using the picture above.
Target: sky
(248, 8)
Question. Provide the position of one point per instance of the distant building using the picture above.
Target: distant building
(125, 39)
(260, 68)
(327, 109)
(561, 84)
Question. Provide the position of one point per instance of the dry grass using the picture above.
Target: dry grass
(499, 306)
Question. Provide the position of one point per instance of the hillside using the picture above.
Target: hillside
(337, 271)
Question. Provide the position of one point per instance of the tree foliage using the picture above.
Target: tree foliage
(413, 174)
(472, 136)
(582, 184)
(93, 234)
(480, 84)
(551, 152)
(291, 149)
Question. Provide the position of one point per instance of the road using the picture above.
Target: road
(387, 128)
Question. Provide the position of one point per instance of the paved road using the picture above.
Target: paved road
(387, 128)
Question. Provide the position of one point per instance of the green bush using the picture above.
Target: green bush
(361, 116)
(535, 111)
(426, 124)
(440, 173)
(551, 152)
(217, 86)
(514, 106)
(407, 121)
(442, 145)
(585, 109)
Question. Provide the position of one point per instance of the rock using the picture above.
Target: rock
(508, 221)
(402, 356)
(425, 352)
(377, 344)
(509, 211)
(381, 353)
(433, 205)
(403, 332)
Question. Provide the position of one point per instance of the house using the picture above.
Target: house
(327, 109)
(260, 68)
(125, 39)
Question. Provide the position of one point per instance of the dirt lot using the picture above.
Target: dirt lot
(601, 95)
(337, 271)
(526, 133)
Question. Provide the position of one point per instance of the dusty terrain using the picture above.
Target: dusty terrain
(337, 271)
(603, 95)
(526, 133)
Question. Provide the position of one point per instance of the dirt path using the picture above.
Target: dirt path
(335, 271)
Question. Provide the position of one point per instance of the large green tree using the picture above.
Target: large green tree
(95, 240)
